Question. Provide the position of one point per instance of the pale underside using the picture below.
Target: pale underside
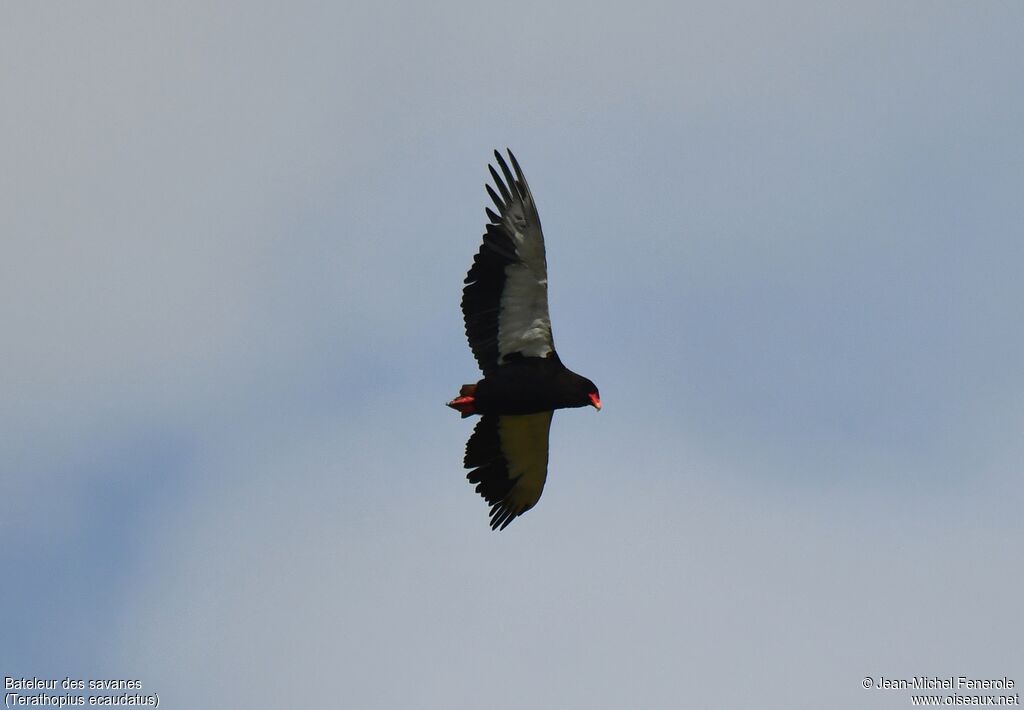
(525, 325)
(524, 442)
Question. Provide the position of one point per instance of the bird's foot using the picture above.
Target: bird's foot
(464, 405)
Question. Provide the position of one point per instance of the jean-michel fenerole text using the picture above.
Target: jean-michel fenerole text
(923, 682)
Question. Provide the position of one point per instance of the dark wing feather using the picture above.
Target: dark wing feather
(509, 458)
(504, 302)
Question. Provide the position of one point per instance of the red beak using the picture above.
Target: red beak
(595, 400)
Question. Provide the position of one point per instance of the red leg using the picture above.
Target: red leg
(464, 405)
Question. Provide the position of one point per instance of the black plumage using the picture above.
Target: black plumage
(505, 308)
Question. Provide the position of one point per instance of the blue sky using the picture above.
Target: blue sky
(784, 241)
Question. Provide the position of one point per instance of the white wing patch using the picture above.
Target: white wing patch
(525, 325)
(524, 443)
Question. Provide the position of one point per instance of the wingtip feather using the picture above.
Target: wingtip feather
(501, 183)
(494, 198)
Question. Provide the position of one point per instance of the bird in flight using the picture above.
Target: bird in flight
(505, 307)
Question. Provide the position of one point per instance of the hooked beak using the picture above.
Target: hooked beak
(595, 400)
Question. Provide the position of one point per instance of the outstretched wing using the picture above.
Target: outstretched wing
(509, 458)
(505, 301)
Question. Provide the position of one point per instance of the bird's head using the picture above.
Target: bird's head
(584, 393)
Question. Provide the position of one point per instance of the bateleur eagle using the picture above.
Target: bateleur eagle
(505, 307)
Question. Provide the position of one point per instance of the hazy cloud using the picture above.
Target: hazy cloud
(783, 240)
